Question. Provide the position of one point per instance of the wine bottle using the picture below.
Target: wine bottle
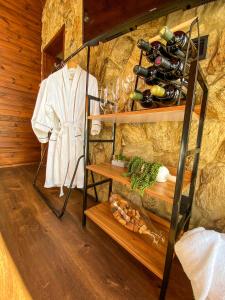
(153, 75)
(167, 93)
(175, 66)
(177, 43)
(150, 74)
(145, 99)
(152, 50)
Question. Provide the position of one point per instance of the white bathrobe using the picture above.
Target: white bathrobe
(60, 111)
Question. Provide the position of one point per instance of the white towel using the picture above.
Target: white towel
(202, 255)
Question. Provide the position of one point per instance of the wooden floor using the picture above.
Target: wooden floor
(58, 260)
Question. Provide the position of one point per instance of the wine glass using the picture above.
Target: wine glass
(103, 99)
(116, 95)
(128, 87)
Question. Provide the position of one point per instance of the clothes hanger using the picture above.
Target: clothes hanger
(62, 64)
(72, 64)
(71, 67)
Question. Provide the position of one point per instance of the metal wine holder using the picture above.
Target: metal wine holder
(180, 82)
(182, 205)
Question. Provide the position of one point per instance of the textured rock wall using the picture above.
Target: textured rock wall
(159, 141)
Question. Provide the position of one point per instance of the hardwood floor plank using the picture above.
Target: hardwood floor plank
(60, 260)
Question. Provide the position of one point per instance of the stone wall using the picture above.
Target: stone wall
(159, 142)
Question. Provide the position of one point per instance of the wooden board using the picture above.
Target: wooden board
(172, 113)
(163, 191)
(11, 283)
(104, 20)
(140, 246)
(102, 16)
(20, 75)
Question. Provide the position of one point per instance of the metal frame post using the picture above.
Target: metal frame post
(182, 204)
(86, 140)
(113, 151)
(137, 79)
(180, 175)
(197, 149)
(58, 212)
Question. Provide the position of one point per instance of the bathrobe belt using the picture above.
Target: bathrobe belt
(73, 132)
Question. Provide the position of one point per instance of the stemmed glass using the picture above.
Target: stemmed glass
(127, 87)
(116, 95)
(104, 99)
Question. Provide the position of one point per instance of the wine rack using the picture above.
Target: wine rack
(182, 80)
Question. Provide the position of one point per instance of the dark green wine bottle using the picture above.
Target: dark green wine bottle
(154, 75)
(152, 50)
(174, 66)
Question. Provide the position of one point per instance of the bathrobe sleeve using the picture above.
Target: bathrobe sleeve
(94, 107)
(43, 115)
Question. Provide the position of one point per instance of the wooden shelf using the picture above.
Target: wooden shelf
(172, 113)
(140, 246)
(163, 191)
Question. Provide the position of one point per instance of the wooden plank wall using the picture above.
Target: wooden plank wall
(20, 71)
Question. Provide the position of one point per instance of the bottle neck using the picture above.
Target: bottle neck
(136, 96)
(158, 91)
(166, 34)
(145, 46)
(168, 92)
(141, 71)
(163, 62)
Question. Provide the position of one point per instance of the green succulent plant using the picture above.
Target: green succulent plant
(142, 173)
(120, 157)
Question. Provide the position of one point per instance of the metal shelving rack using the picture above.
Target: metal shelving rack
(158, 261)
(181, 204)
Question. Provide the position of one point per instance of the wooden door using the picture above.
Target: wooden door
(53, 53)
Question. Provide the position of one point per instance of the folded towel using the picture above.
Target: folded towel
(202, 255)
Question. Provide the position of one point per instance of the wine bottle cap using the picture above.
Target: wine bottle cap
(136, 95)
(140, 71)
(142, 44)
(166, 33)
(158, 60)
(157, 91)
